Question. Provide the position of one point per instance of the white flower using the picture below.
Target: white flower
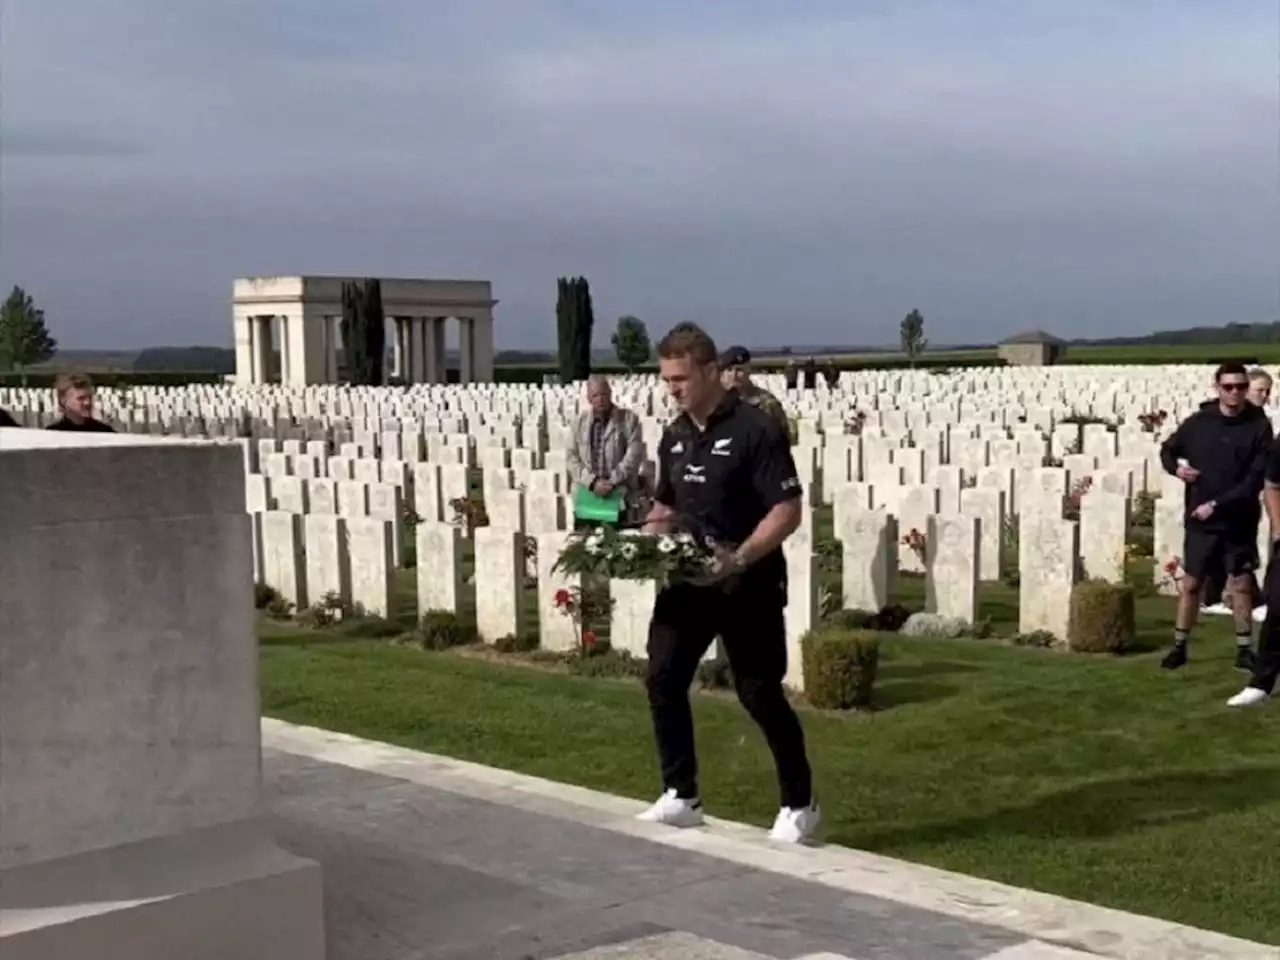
(666, 544)
(684, 537)
(628, 551)
(595, 543)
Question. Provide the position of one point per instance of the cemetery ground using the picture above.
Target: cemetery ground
(1100, 778)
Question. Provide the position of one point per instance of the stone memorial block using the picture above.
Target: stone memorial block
(257, 493)
(916, 506)
(506, 509)
(130, 749)
(949, 481)
(426, 492)
(500, 608)
(1048, 563)
(544, 512)
(341, 468)
(322, 496)
(802, 612)
(869, 541)
(453, 486)
(1104, 529)
(366, 471)
(1168, 536)
(954, 549)
(556, 631)
(632, 610)
(988, 507)
(386, 502)
(276, 465)
(353, 498)
(369, 549)
(283, 559)
(847, 499)
(440, 579)
(327, 562)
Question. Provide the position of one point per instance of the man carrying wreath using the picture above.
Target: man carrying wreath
(726, 473)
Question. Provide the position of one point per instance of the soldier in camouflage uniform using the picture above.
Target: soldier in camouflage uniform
(735, 372)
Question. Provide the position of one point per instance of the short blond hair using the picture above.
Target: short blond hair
(688, 340)
(66, 382)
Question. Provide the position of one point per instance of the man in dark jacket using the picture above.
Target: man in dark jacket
(1220, 453)
(75, 400)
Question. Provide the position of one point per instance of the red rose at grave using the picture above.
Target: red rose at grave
(561, 598)
(589, 639)
(1171, 566)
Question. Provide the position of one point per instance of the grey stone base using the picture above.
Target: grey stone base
(214, 894)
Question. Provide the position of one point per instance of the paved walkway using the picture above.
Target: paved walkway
(427, 857)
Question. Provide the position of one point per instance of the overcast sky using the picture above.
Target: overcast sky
(782, 172)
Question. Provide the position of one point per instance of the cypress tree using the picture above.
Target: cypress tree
(375, 334)
(564, 329)
(353, 335)
(584, 321)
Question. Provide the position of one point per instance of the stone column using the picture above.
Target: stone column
(263, 360)
(243, 333)
(482, 349)
(466, 350)
(286, 354)
(434, 352)
(398, 345)
(417, 349)
(330, 342)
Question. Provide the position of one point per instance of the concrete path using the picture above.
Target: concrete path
(429, 857)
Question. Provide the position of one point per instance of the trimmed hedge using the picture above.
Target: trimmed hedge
(1102, 617)
(43, 380)
(839, 667)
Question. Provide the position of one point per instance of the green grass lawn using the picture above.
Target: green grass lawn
(1103, 779)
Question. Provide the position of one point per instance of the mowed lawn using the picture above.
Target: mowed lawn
(1103, 779)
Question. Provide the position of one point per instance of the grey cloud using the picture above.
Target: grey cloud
(831, 172)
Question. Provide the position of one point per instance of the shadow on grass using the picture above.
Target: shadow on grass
(898, 684)
(1105, 809)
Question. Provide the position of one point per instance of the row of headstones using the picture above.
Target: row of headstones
(309, 557)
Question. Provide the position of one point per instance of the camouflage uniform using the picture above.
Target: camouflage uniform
(770, 404)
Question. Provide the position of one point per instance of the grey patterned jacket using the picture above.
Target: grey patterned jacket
(623, 447)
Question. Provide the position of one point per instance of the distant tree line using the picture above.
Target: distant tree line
(1209, 336)
(163, 359)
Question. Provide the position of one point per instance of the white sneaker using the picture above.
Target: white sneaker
(1216, 610)
(1259, 614)
(673, 811)
(796, 824)
(1249, 697)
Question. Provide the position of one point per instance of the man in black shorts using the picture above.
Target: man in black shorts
(726, 472)
(1220, 453)
(1266, 670)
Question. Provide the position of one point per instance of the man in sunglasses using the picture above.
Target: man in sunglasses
(1220, 454)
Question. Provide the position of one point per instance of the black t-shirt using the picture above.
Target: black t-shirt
(1273, 463)
(6, 420)
(86, 426)
(723, 480)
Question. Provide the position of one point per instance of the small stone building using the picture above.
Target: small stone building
(1032, 349)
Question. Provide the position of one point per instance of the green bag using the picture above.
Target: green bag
(596, 509)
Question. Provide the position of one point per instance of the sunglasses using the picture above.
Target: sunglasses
(1233, 387)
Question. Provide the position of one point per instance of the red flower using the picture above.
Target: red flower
(1171, 566)
(561, 598)
(589, 639)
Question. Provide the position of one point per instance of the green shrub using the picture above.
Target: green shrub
(605, 662)
(839, 667)
(368, 627)
(516, 643)
(1102, 617)
(850, 620)
(715, 675)
(442, 629)
(1041, 639)
(264, 595)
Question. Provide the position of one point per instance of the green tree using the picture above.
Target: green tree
(24, 338)
(631, 342)
(575, 319)
(364, 332)
(912, 335)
